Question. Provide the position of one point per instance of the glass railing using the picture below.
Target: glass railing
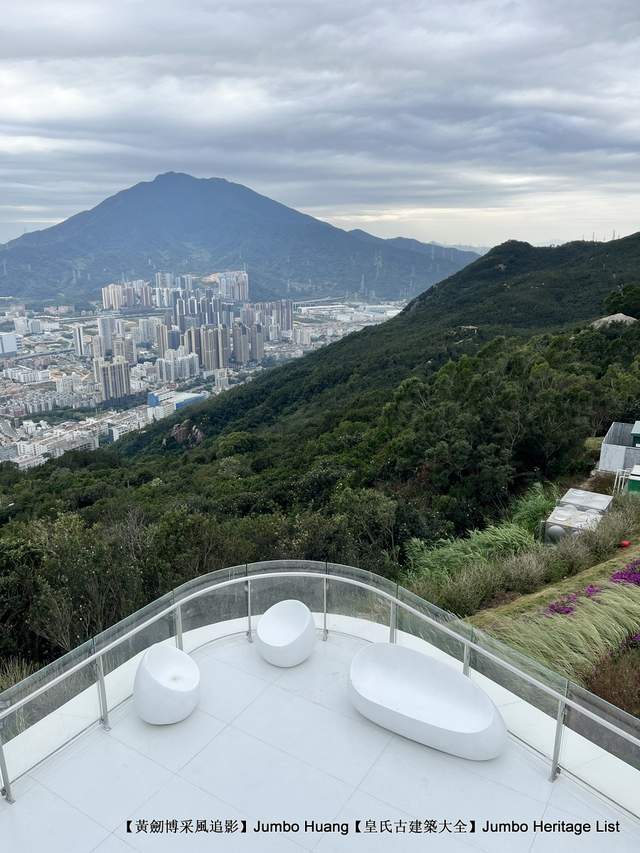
(576, 731)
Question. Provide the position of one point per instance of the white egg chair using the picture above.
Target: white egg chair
(286, 633)
(167, 685)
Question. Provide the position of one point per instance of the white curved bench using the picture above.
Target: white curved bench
(286, 633)
(167, 685)
(420, 698)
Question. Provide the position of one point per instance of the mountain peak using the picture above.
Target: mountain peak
(185, 224)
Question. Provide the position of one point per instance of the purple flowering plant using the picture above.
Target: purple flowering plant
(567, 603)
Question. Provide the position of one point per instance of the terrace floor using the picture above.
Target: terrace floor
(273, 745)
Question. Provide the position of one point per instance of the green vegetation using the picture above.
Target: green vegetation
(449, 557)
(578, 621)
(505, 561)
(574, 644)
(13, 670)
(617, 679)
(626, 300)
(534, 506)
(377, 451)
(90, 537)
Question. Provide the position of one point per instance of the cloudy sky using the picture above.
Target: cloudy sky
(462, 122)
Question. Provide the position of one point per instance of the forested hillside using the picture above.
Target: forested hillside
(422, 427)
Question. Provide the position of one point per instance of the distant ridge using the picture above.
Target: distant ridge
(184, 224)
(514, 290)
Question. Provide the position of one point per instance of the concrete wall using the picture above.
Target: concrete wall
(617, 449)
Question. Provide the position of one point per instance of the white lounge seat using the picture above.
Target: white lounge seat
(167, 685)
(286, 633)
(425, 700)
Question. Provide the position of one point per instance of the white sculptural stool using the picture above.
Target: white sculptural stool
(167, 685)
(425, 700)
(286, 633)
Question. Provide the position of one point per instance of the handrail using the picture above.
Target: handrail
(394, 601)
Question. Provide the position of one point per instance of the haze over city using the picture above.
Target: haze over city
(466, 125)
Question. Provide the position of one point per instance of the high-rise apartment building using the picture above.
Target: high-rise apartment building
(162, 339)
(113, 377)
(240, 335)
(256, 343)
(163, 279)
(8, 343)
(78, 340)
(234, 284)
(178, 365)
(125, 348)
(208, 347)
(105, 330)
(97, 347)
(286, 315)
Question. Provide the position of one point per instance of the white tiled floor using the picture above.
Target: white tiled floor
(268, 744)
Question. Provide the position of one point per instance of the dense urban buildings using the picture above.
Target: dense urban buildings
(149, 348)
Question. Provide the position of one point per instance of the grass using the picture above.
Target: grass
(617, 679)
(573, 644)
(526, 605)
(588, 643)
(451, 556)
(13, 670)
(472, 579)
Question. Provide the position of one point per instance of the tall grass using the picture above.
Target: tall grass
(463, 578)
(13, 670)
(573, 644)
(454, 555)
(617, 679)
(534, 506)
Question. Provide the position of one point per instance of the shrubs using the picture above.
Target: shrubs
(534, 507)
(481, 546)
(573, 641)
(467, 591)
(527, 571)
(13, 670)
(603, 540)
(617, 679)
(464, 575)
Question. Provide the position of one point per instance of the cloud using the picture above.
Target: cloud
(470, 121)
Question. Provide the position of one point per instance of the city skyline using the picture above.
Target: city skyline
(503, 120)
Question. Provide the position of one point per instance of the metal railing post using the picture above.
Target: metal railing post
(325, 632)
(102, 695)
(471, 645)
(466, 659)
(178, 612)
(555, 761)
(249, 631)
(4, 777)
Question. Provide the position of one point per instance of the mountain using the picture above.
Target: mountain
(527, 287)
(425, 426)
(515, 289)
(184, 224)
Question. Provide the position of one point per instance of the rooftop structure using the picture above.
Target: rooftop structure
(272, 745)
(584, 500)
(576, 510)
(620, 448)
